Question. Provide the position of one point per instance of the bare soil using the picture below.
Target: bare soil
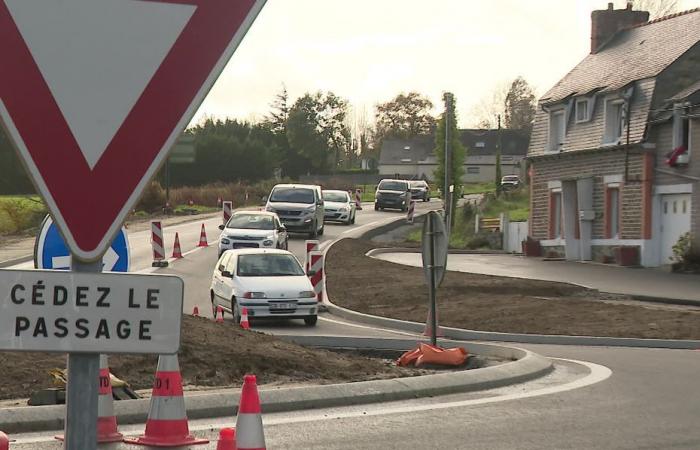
(501, 304)
(211, 354)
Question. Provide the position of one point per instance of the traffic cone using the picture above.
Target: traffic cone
(4, 441)
(195, 311)
(177, 251)
(219, 315)
(167, 418)
(203, 238)
(249, 427)
(244, 319)
(227, 439)
(106, 420)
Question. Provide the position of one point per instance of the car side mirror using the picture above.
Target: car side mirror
(310, 273)
(221, 227)
(226, 274)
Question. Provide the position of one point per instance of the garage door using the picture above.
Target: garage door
(675, 221)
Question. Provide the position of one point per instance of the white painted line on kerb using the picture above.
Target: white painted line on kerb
(367, 327)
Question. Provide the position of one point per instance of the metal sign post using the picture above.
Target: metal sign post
(434, 251)
(82, 388)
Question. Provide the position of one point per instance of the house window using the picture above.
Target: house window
(614, 122)
(582, 114)
(555, 212)
(557, 130)
(612, 212)
(473, 169)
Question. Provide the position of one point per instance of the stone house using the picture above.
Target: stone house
(615, 147)
(415, 158)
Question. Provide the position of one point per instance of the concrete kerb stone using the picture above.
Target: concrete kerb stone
(224, 403)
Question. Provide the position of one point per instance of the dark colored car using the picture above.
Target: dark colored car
(420, 190)
(395, 194)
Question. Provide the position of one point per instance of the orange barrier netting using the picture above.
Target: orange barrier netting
(427, 354)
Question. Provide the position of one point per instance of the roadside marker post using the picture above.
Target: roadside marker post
(317, 275)
(158, 245)
(411, 211)
(311, 246)
(227, 210)
(358, 199)
(434, 252)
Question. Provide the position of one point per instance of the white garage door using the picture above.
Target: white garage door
(675, 221)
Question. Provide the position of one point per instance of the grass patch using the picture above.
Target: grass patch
(194, 209)
(516, 204)
(20, 213)
(478, 188)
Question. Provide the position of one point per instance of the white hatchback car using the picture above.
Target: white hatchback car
(339, 207)
(269, 282)
(253, 229)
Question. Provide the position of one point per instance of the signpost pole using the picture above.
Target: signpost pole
(82, 387)
(431, 285)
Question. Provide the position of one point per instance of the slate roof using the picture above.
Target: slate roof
(633, 54)
(411, 151)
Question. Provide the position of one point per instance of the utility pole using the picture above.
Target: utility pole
(448, 164)
(498, 159)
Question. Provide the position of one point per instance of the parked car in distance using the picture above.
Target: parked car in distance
(339, 207)
(510, 182)
(253, 229)
(299, 207)
(420, 190)
(270, 283)
(394, 194)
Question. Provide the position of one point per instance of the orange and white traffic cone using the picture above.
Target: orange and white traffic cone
(195, 311)
(167, 418)
(219, 315)
(245, 324)
(177, 251)
(227, 439)
(203, 238)
(106, 420)
(249, 427)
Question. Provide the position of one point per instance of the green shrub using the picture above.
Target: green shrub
(153, 198)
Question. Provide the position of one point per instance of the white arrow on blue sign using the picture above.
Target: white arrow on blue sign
(51, 252)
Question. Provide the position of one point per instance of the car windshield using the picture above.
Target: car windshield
(292, 195)
(268, 265)
(510, 178)
(417, 184)
(392, 186)
(251, 222)
(340, 197)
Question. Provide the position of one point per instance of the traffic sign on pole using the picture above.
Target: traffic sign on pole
(51, 251)
(99, 91)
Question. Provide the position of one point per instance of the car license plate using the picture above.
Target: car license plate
(282, 306)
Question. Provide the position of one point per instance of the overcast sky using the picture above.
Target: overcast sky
(367, 51)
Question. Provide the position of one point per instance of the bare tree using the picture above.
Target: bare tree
(656, 8)
(485, 113)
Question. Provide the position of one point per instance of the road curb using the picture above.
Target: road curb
(15, 261)
(525, 366)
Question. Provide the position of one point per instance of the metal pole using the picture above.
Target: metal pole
(431, 285)
(448, 160)
(82, 388)
(167, 180)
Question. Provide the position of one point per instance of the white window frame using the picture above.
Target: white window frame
(587, 116)
(550, 144)
(607, 139)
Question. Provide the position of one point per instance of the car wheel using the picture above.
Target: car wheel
(314, 232)
(236, 313)
(310, 321)
(322, 230)
(352, 221)
(376, 207)
(213, 306)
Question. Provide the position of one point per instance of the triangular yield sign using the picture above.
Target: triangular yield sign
(95, 92)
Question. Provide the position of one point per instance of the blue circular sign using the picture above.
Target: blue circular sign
(51, 251)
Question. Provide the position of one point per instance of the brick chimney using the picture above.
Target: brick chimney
(605, 23)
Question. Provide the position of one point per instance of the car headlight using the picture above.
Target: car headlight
(344, 209)
(254, 295)
(267, 242)
(225, 241)
(307, 294)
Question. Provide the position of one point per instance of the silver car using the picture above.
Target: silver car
(299, 207)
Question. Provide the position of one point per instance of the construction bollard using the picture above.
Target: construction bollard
(4, 441)
(157, 244)
(316, 270)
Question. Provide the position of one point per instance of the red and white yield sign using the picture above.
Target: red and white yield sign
(95, 92)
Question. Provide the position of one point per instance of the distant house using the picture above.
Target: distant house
(614, 174)
(415, 158)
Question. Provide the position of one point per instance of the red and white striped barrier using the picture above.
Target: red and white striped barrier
(167, 418)
(157, 244)
(358, 199)
(316, 266)
(228, 209)
(249, 427)
(311, 246)
(4, 441)
(411, 211)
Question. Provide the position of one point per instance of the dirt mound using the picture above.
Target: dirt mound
(481, 302)
(211, 354)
